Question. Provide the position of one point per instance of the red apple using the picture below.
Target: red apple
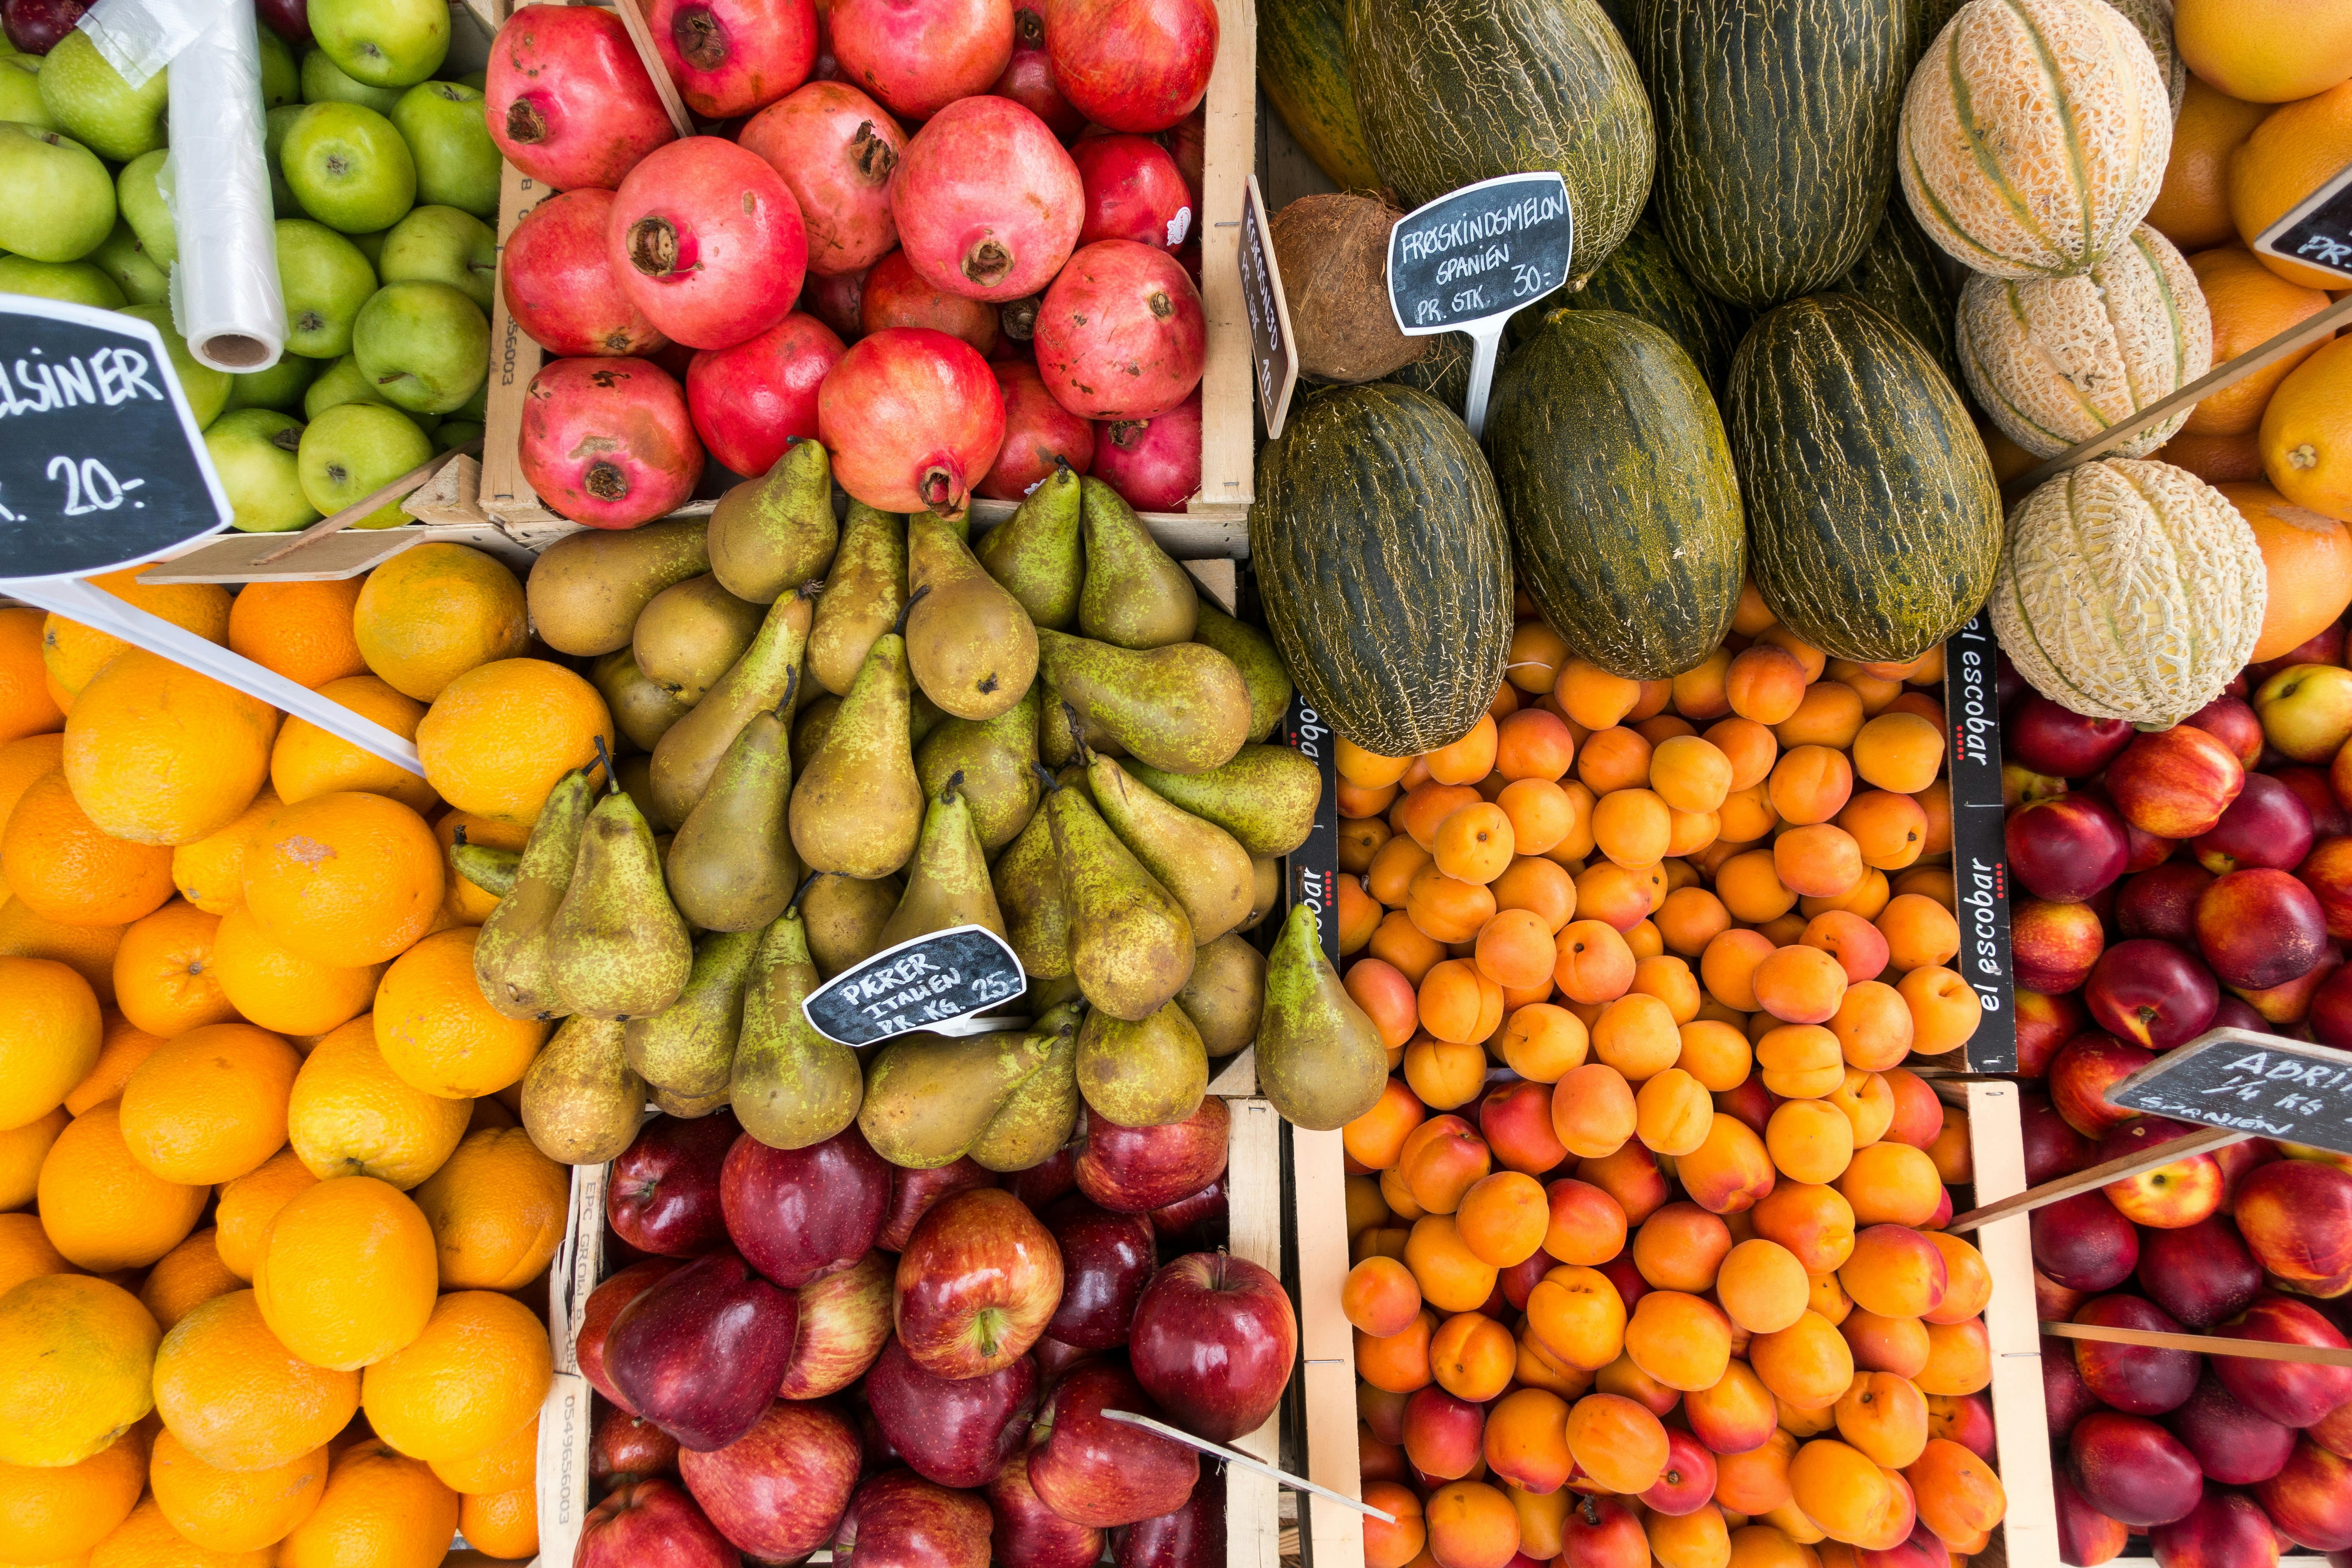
(2296, 1217)
(2150, 993)
(1027, 1534)
(2327, 872)
(2174, 782)
(844, 1321)
(2130, 1469)
(2171, 1195)
(2234, 1011)
(625, 1447)
(650, 1524)
(912, 1192)
(1093, 1470)
(977, 1284)
(1192, 1222)
(957, 1431)
(2306, 711)
(1054, 1358)
(778, 1490)
(2049, 738)
(1687, 1483)
(1134, 1170)
(1191, 1536)
(897, 1520)
(2231, 720)
(2083, 1072)
(2138, 1380)
(2311, 1499)
(2053, 1149)
(2084, 1244)
(2260, 928)
(1041, 1183)
(2066, 1397)
(700, 1354)
(2226, 1529)
(2052, 945)
(604, 1304)
(1214, 1340)
(2053, 1302)
(2328, 817)
(2021, 785)
(2065, 849)
(663, 1193)
(1106, 1260)
(2236, 1446)
(2085, 1536)
(801, 1213)
(2044, 1023)
(2294, 1393)
(2266, 826)
(2331, 1009)
(2162, 902)
(2201, 1273)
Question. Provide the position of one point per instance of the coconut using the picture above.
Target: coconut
(1334, 255)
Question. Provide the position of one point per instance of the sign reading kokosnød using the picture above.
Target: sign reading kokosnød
(1274, 352)
(2262, 1084)
(2317, 230)
(1468, 259)
(922, 983)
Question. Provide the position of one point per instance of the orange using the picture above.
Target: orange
(248, 1204)
(498, 1468)
(74, 1357)
(26, 1253)
(160, 754)
(210, 872)
(347, 1272)
(472, 1379)
(60, 1512)
(436, 1030)
(465, 904)
(2307, 559)
(162, 972)
(25, 708)
(344, 879)
(353, 1116)
(2265, 51)
(497, 1209)
(503, 1524)
(185, 1277)
(87, 951)
(65, 868)
(22, 1150)
(2285, 158)
(73, 652)
(24, 759)
(2307, 433)
(380, 1510)
(498, 737)
(146, 1540)
(279, 989)
(307, 760)
(119, 1052)
(103, 1209)
(234, 1511)
(434, 612)
(50, 1033)
(2250, 305)
(60, 698)
(211, 1105)
(237, 1397)
(301, 630)
(2192, 210)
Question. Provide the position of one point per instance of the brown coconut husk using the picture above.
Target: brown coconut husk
(1334, 255)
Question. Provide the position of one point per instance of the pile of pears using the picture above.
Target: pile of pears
(843, 733)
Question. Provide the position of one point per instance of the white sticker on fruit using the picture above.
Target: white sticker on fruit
(1178, 226)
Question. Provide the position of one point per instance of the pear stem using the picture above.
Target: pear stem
(953, 787)
(793, 908)
(611, 774)
(1085, 753)
(1052, 785)
(784, 710)
(899, 626)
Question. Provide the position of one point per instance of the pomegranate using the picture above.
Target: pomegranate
(827, 68)
(1132, 65)
(1120, 334)
(1134, 191)
(755, 399)
(732, 57)
(1028, 79)
(568, 101)
(988, 203)
(837, 302)
(896, 296)
(557, 276)
(707, 238)
(1038, 433)
(1188, 143)
(836, 149)
(607, 442)
(913, 420)
(920, 55)
(1154, 464)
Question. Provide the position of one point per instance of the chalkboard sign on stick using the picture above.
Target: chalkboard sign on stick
(2317, 230)
(1466, 261)
(925, 982)
(2264, 1086)
(1273, 352)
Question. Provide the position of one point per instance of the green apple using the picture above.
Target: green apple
(56, 202)
(477, 408)
(451, 434)
(273, 138)
(425, 346)
(456, 162)
(478, 80)
(355, 448)
(253, 452)
(207, 389)
(384, 43)
(325, 280)
(20, 92)
(370, 246)
(323, 81)
(121, 258)
(281, 386)
(442, 245)
(92, 103)
(281, 77)
(338, 382)
(139, 194)
(76, 283)
(349, 167)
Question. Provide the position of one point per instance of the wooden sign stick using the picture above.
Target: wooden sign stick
(2203, 1344)
(643, 37)
(415, 480)
(2204, 1140)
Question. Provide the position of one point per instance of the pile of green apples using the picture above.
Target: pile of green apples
(385, 183)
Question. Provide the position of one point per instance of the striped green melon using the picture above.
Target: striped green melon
(1776, 136)
(1384, 565)
(1302, 63)
(1873, 525)
(1455, 92)
(1899, 273)
(1615, 473)
(1443, 371)
(1642, 278)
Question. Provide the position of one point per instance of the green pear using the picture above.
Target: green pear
(929, 1098)
(1042, 1113)
(1252, 654)
(1151, 1072)
(792, 1086)
(1028, 881)
(731, 867)
(1265, 796)
(1197, 862)
(777, 531)
(858, 809)
(1183, 708)
(492, 870)
(970, 644)
(947, 882)
(845, 917)
(691, 634)
(997, 759)
(1226, 994)
(586, 590)
(689, 753)
(864, 596)
(689, 1048)
(1036, 554)
(619, 950)
(582, 1103)
(641, 710)
(1131, 942)
(810, 728)
(513, 956)
(1319, 1056)
(1136, 596)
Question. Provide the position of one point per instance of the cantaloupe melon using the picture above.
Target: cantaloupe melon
(2129, 590)
(2057, 360)
(2034, 135)
(2153, 18)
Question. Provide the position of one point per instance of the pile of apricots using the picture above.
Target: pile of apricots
(1647, 1262)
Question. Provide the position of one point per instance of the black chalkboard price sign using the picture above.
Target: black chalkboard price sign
(100, 460)
(1979, 856)
(2317, 230)
(1468, 259)
(2262, 1084)
(918, 984)
(1273, 352)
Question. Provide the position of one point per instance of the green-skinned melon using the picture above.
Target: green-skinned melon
(1642, 278)
(1302, 63)
(1898, 272)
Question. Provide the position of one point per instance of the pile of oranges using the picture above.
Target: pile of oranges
(273, 1243)
(1644, 1244)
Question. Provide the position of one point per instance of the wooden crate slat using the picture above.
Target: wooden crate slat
(1335, 1535)
(2028, 1538)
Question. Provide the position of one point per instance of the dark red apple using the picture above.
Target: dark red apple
(977, 1284)
(2331, 1010)
(1106, 1260)
(1093, 1470)
(2083, 1072)
(629, 1447)
(1028, 1534)
(2310, 1499)
(2266, 826)
(2327, 872)
(2174, 782)
(35, 26)
(2201, 1274)
(2236, 1446)
(289, 20)
(2066, 1397)
(957, 1431)
(2085, 1536)
(801, 1213)
(604, 1304)
(2232, 1011)
(2048, 739)
(1041, 1183)
(651, 1524)
(2138, 1380)
(2226, 1529)
(2044, 1023)
(2053, 1149)
(2162, 902)
(2084, 1244)
(663, 1197)
(1214, 1340)
(2296, 1217)
(2328, 817)
(2294, 1393)
(778, 1490)
(2054, 945)
(2151, 993)
(2231, 720)
(2066, 847)
(844, 1321)
(1134, 1170)
(1687, 1483)
(1192, 1222)
(897, 1520)
(1054, 1358)
(2260, 928)
(1190, 1536)
(2132, 1470)
(912, 1192)
(699, 1354)
(2179, 1193)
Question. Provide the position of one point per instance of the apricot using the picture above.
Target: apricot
(1856, 945)
(1807, 1365)
(1467, 760)
(1527, 1441)
(1452, 1278)
(1630, 1177)
(1612, 895)
(1591, 696)
(1636, 1034)
(1503, 1218)
(1369, 768)
(1542, 887)
(1585, 1225)
(1944, 1011)
(1446, 909)
(1690, 919)
(1729, 1171)
(1680, 1248)
(1395, 866)
(1734, 1416)
(1699, 692)
(1669, 979)
(1681, 1340)
(1890, 830)
(1538, 1368)
(1617, 1442)
(1471, 1356)
(1399, 1362)
(1476, 843)
(1697, 1540)
(1398, 1197)
(1359, 841)
(1968, 1280)
(1800, 1061)
(1543, 1516)
(1755, 1480)
(1443, 1073)
(1750, 887)
(1750, 747)
(1592, 1111)
(1899, 751)
(1715, 1053)
(1879, 1344)
(1533, 744)
(1839, 1488)
(1376, 1138)
(1809, 1139)
(1812, 660)
(1767, 1546)
(1727, 967)
(1745, 817)
(1919, 932)
(1867, 1105)
(1872, 1026)
(1355, 801)
(1790, 1520)
(1632, 827)
(1591, 961)
(1386, 997)
(1951, 1150)
(1819, 860)
(1379, 1241)
(1765, 684)
(1365, 1209)
(1891, 1184)
(1762, 1286)
(1439, 1161)
(1896, 1518)
(1883, 1416)
(1895, 1271)
(1936, 801)
(1541, 1042)
(1419, 812)
(1828, 1297)
(1960, 1358)
(1380, 1297)
(1867, 898)
(1578, 1317)
(1672, 1112)
(1613, 759)
(1958, 1494)
(1830, 715)
(1456, 1002)
(1540, 814)
(1471, 1525)
(1799, 984)
(1393, 1545)
(1809, 784)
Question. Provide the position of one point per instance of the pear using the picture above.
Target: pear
(1226, 994)
(1148, 1073)
(689, 753)
(585, 590)
(929, 1098)
(971, 645)
(863, 597)
(792, 1086)
(947, 886)
(731, 867)
(512, 957)
(809, 730)
(641, 710)
(857, 809)
(618, 949)
(1265, 796)
(1198, 861)
(1252, 654)
(1268, 873)
(1319, 1056)
(1043, 1112)
(492, 870)
(1028, 881)
(1183, 708)
(845, 917)
(1058, 737)
(692, 633)
(998, 761)
(1035, 554)
(1130, 942)
(771, 533)
(923, 716)
(686, 1048)
(1135, 596)
(582, 1101)
(685, 1107)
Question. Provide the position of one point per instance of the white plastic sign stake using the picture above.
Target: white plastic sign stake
(1468, 259)
(1274, 352)
(2317, 230)
(1218, 1450)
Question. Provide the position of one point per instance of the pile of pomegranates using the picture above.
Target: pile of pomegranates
(954, 240)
